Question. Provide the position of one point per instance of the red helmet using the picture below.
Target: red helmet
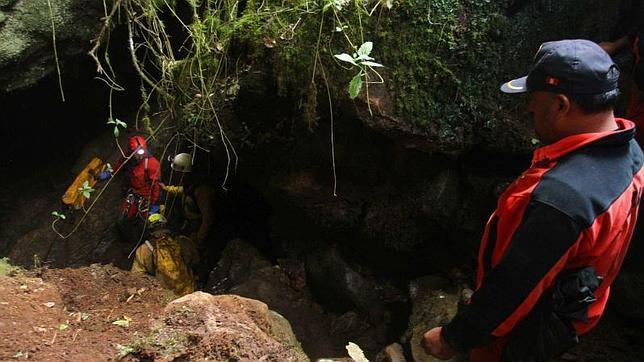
(137, 143)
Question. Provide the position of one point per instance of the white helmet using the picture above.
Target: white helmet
(181, 162)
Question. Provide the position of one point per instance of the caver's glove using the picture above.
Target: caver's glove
(104, 175)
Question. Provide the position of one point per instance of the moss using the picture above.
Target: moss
(27, 30)
(428, 48)
(444, 66)
(7, 3)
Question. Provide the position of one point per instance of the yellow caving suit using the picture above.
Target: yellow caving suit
(169, 259)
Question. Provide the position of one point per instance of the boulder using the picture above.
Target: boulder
(201, 326)
(285, 290)
(343, 286)
(238, 261)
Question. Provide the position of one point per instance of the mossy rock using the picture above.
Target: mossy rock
(26, 45)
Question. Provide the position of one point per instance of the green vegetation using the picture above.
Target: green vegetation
(441, 58)
(7, 269)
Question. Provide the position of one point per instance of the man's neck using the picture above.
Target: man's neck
(593, 123)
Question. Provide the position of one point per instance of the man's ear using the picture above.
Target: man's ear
(562, 103)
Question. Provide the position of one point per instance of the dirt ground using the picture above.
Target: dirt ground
(70, 314)
(95, 313)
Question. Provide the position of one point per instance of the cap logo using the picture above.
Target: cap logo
(552, 81)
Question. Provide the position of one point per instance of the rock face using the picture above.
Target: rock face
(30, 239)
(26, 46)
(201, 326)
(284, 288)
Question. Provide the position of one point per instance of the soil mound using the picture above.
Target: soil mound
(84, 314)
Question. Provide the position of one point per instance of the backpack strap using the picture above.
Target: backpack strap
(145, 166)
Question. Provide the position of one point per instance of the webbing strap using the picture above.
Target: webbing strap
(145, 173)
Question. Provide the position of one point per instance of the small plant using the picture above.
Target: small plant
(6, 269)
(86, 190)
(57, 216)
(117, 123)
(124, 350)
(363, 61)
(336, 5)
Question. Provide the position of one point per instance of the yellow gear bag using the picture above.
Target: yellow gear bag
(73, 196)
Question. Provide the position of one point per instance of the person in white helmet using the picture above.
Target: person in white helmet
(197, 207)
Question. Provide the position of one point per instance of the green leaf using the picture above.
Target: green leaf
(124, 350)
(355, 85)
(364, 57)
(58, 215)
(389, 4)
(110, 121)
(535, 141)
(120, 123)
(116, 132)
(122, 323)
(365, 48)
(346, 58)
(371, 64)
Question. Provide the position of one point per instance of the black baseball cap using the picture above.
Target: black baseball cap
(574, 66)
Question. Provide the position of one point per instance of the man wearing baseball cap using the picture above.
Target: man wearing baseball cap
(557, 239)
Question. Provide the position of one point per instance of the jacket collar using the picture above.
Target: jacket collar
(624, 133)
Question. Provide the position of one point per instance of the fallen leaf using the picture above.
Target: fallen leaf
(355, 352)
(125, 322)
(63, 326)
(49, 304)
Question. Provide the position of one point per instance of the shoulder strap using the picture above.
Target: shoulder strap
(145, 172)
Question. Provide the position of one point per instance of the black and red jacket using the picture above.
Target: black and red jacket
(576, 206)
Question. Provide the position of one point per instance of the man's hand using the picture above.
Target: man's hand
(434, 344)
